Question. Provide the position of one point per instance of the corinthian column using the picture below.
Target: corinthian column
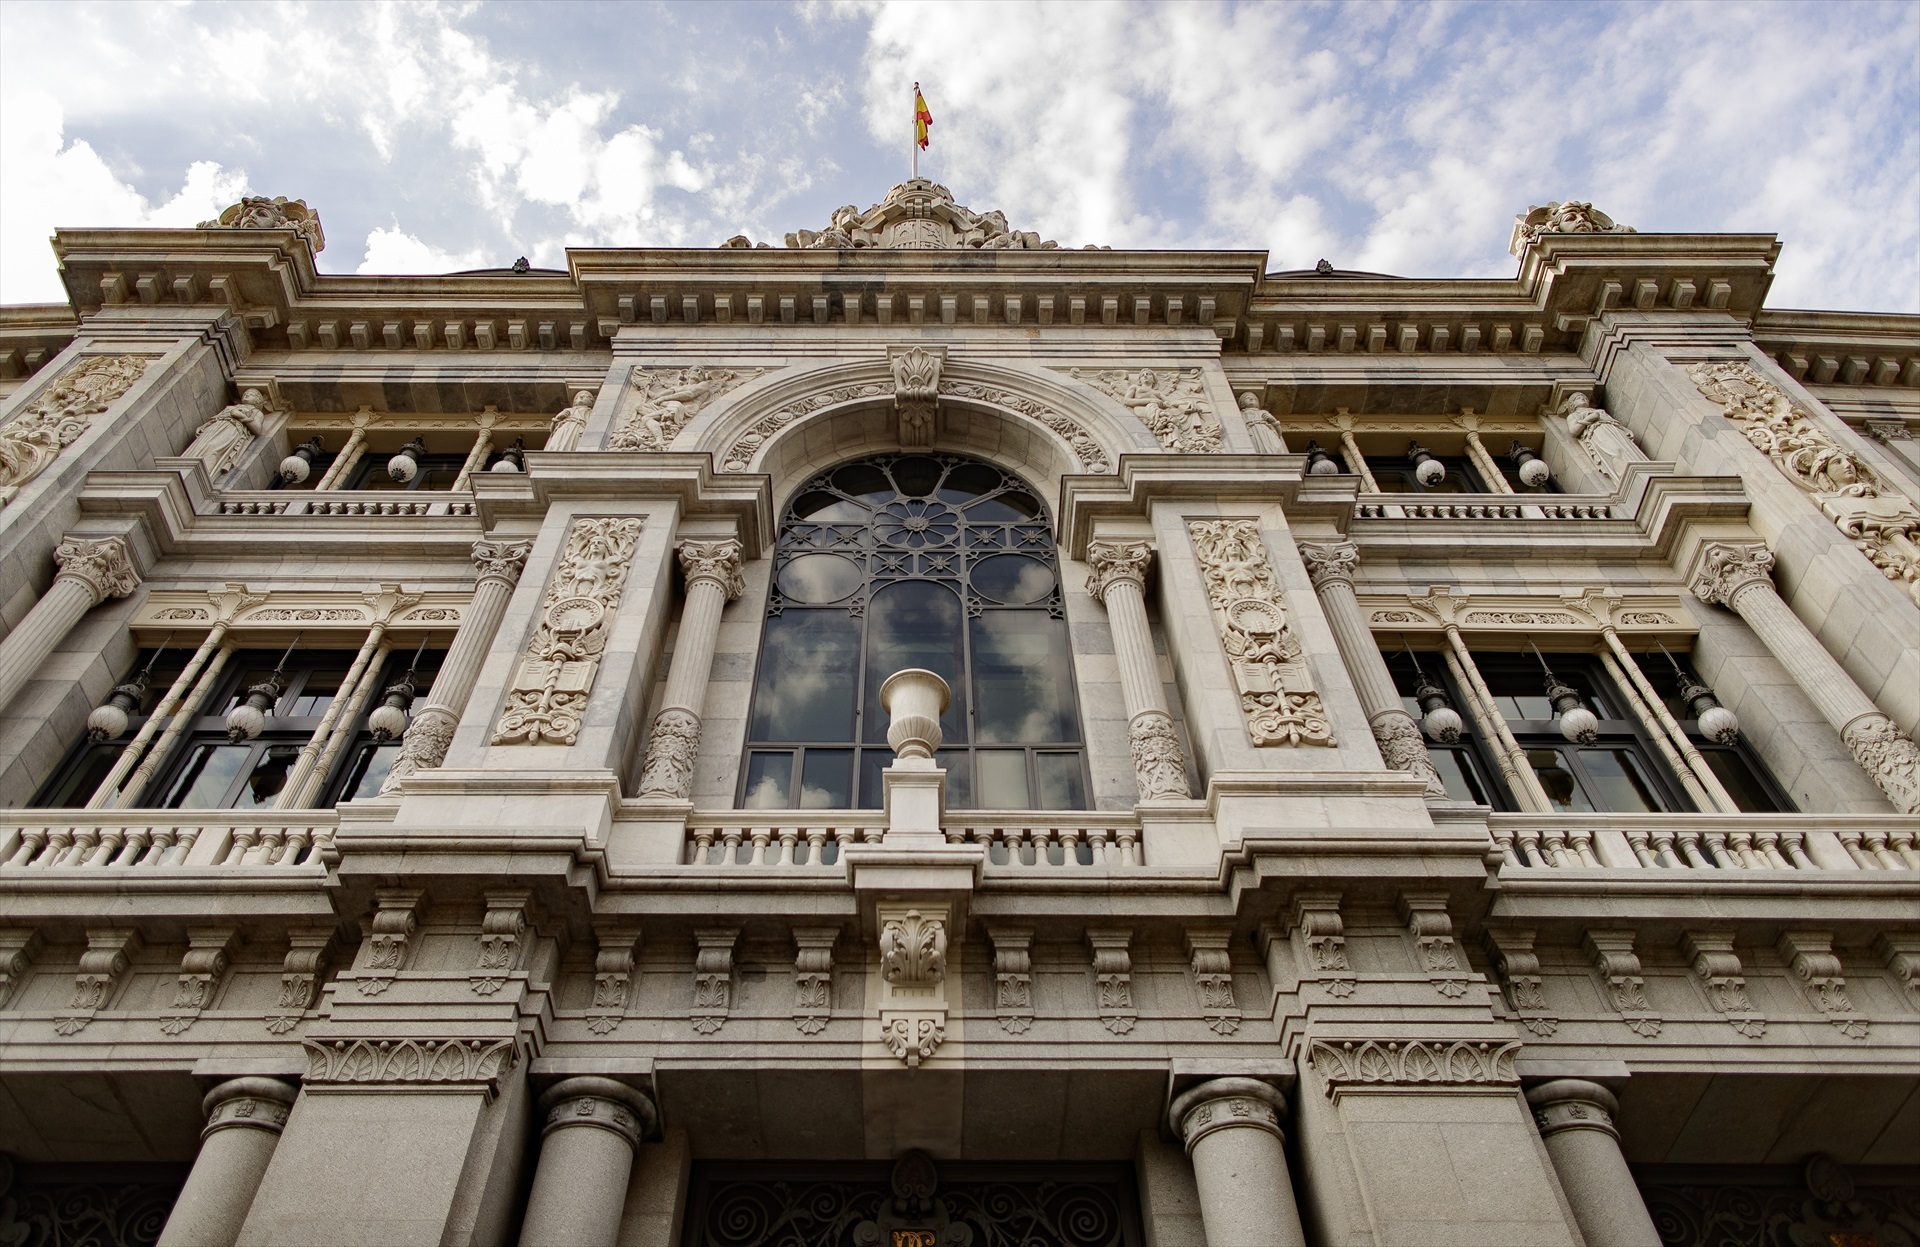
(1576, 1120)
(586, 1161)
(1231, 1127)
(713, 579)
(90, 573)
(244, 1120)
(425, 745)
(1738, 576)
(1330, 564)
(1119, 582)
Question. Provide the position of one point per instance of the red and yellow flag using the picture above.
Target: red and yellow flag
(922, 119)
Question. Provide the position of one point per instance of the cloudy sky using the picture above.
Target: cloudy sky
(1396, 138)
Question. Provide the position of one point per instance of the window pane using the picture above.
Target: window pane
(314, 696)
(872, 762)
(1022, 670)
(1740, 782)
(370, 769)
(210, 771)
(267, 779)
(959, 767)
(1619, 783)
(1060, 784)
(1563, 790)
(769, 779)
(1003, 779)
(1462, 784)
(78, 785)
(826, 781)
(914, 623)
(807, 677)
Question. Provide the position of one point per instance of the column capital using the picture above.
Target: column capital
(715, 561)
(253, 1103)
(501, 560)
(598, 1102)
(103, 564)
(1225, 1104)
(1114, 562)
(1722, 570)
(1573, 1104)
(1330, 562)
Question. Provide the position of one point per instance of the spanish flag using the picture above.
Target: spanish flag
(922, 119)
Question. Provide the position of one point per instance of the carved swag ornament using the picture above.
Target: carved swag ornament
(1172, 404)
(56, 420)
(666, 401)
(552, 682)
(1277, 696)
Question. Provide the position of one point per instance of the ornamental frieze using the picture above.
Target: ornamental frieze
(32, 440)
(1277, 696)
(1360, 1065)
(667, 400)
(313, 612)
(410, 1060)
(1576, 613)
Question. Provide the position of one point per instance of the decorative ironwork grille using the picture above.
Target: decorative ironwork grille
(85, 1205)
(1822, 1204)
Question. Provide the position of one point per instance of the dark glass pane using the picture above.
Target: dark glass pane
(958, 764)
(1010, 507)
(209, 773)
(872, 762)
(1391, 482)
(916, 475)
(1003, 779)
(821, 507)
(968, 481)
(1462, 784)
(315, 695)
(267, 779)
(1562, 788)
(1059, 780)
(914, 623)
(826, 781)
(1013, 578)
(1411, 705)
(863, 481)
(82, 779)
(808, 666)
(370, 767)
(1740, 781)
(820, 578)
(1619, 783)
(769, 780)
(1520, 694)
(1023, 672)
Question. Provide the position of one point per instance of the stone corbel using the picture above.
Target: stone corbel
(1716, 967)
(614, 969)
(713, 977)
(102, 967)
(913, 980)
(502, 934)
(1113, 977)
(389, 935)
(209, 951)
(300, 976)
(1432, 932)
(1511, 951)
(1320, 942)
(17, 948)
(1211, 964)
(1818, 968)
(1901, 955)
(916, 391)
(1012, 977)
(813, 978)
(1619, 967)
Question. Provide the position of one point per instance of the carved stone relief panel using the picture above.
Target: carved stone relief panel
(56, 420)
(553, 680)
(1277, 696)
(666, 401)
(1172, 403)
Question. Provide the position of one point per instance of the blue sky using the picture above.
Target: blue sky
(1397, 138)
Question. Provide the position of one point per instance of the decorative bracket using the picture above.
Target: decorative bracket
(1211, 964)
(300, 975)
(1511, 951)
(713, 977)
(1320, 945)
(1619, 967)
(916, 391)
(1012, 977)
(1717, 968)
(389, 934)
(17, 948)
(1113, 977)
(613, 974)
(209, 949)
(500, 939)
(1432, 931)
(1811, 955)
(813, 978)
(913, 980)
(102, 967)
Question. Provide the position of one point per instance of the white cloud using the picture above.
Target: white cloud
(394, 251)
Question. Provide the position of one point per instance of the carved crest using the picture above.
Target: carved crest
(916, 215)
(1277, 696)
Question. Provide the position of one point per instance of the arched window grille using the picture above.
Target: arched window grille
(899, 561)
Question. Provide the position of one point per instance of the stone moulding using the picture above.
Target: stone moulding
(667, 400)
(455, 1064)
(1277, 696)
(1350, 1066)
(553, 680)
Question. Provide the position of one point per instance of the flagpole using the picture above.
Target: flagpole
(913, 128)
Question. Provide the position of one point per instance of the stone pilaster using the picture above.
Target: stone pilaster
(1119, 582)
(244, 1119)
(91, 571)
(593, 1126)
(1231, 1128)
(1576, 1120)
(712, 570)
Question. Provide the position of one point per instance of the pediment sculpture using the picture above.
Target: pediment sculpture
(1575, 216)
(279, 212)
(916, 215)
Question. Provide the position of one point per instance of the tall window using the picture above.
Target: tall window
(929, 561)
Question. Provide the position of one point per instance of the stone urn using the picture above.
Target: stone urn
(914, 700)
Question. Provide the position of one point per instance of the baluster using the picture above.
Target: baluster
(138, 838)
(1637, 841)
(271, 843)
(1877, 845)
(1767, 846)
(298, 838)
(1132, 852)
(84, 840)
(58, 843)
(1503, 841)
(1902, 842)
(1689, 842)
(730, 846)
(1850, 840)
(1097, 846)
(789, 836)
(32, 840)
(163, 842)
(1714, 850)
(1553, 847)
(816, 846)
(1582, 841)
(1795, 843)
(244, 839)
(1663, 849)
(844, 838)
(1069, 846)
(110, 842)
(1740, 846)
(702, 842)
(1530, 846)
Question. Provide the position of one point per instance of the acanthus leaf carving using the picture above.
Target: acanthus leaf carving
(1012, 977)
(1357, 1065)
(501, 932)
(201, 969)
(1518, 968)
(1210, 961)
(671, 750)
(1320, 942)
(1817, 966)
(615, 967)
(105, 565)
(482, 1061)
(666, 401)
(916, 391)
(1277, 696)
(300, 976)
(1619, 968)
(102, 966)
(1172, 403)
(1716, 967)
(34, 439)
(1113, 977)
(713, 977)
(389, 939)
(813, 978)
(553, 680)
(1432, 931)
(913, 980)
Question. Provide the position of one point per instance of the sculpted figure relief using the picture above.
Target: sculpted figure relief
(1607, 442)
(1172, 404)
(220, 441)
(279, 212)
(667, 402)
(1575, 216)
(55, 420)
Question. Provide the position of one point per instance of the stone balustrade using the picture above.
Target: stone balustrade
(140, 840)
(1700, 842)
(1024, 840)
(1566, 510)
(342, 502)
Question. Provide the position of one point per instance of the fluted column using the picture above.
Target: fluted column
(1739, 576)
(712, 570)
(244, 1120)
(91, 571)
(592, 1127)
(1231, 1127)
(1330, 564)
(1576, 1120)
(1119, 583)
(425, 745)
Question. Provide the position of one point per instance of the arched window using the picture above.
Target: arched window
(930, 561)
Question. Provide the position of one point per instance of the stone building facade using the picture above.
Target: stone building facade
(923, 737)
